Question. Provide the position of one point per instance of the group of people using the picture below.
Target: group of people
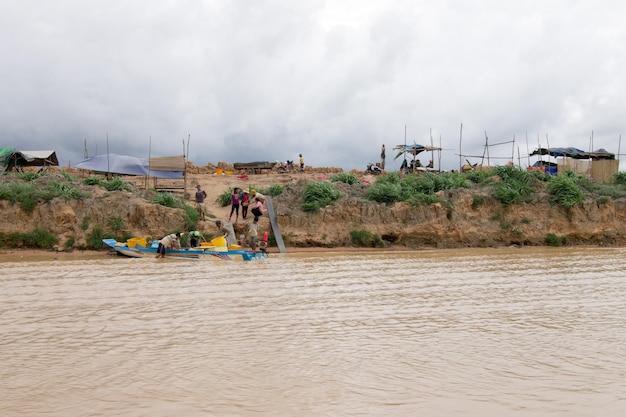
(246, 199)
(252, 200)
(226, 229)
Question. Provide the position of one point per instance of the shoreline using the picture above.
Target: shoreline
(27, 255)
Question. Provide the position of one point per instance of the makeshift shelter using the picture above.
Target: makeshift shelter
(599, 165)
(11, 158)
(413, 150)
(126, 165)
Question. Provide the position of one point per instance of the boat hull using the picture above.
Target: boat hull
(140, 251)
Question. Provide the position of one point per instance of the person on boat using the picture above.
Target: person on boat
(168, 242)
(194, 239)
(253, 233)
(245, 201)
(234, 204)
(226, 229)
(200, 196)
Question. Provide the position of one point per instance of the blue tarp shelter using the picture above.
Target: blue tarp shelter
(125, 165)
(574, 153)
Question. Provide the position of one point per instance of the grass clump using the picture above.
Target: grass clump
(37, 239)
(620, 178)
(565, 190)
(94, 239)
(514, 185)
(273, 190)
(114, 184)
(166, 199)
(346, 178)
(554, 240)
(413, 187)
(318, 194)
(366, 239)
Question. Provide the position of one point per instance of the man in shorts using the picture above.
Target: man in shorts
(200, 196)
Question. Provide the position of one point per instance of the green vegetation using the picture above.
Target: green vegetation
(224, 199)
(554, 240)
(565, 190)
(114, 184)
(191, 216)
(94, 239)
(273, 190)
(36, 239)
(167, 200)
(116, 223)
(318, 194)
(366, 239)
(415, 189)
(345, 177)
(620, 178)
(27, 194)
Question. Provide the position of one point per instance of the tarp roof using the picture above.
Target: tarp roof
(413, 149)
(574, 153)
(11, 157)
(40, 158)
(126, 165)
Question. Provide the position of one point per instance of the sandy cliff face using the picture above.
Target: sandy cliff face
(462, 223)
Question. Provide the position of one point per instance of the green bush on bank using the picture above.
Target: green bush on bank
(36, 239)
(28, 195)
(565, 190)
(366, 239)
(345, 177)
(411, 188)
(318, 194)
(114, 184)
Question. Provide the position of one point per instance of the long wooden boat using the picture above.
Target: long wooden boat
(137, 250)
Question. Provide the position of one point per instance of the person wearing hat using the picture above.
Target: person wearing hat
(168, 242)
(200, 196)
(194, 239)
(245, 201)
(255, 194)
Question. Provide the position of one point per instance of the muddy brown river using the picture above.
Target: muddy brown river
(480, 332)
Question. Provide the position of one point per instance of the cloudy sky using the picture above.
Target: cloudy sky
(253, 80)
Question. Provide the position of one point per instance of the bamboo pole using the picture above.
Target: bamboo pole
(432, 151)
(527, 148)
(513, 151)
(460, 149)
(108, 163)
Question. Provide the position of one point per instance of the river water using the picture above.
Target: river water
(480, 332)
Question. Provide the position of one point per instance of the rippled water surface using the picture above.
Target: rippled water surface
(507, 332)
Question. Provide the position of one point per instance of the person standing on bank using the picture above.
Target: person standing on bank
(245, 201)
(253, 232)
(200, 196)
(301, 163)
(168, 242)
(234, 201)
(382, 157)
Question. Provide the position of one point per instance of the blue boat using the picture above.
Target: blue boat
(138, 250)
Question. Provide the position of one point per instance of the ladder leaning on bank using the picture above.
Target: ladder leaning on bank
(272, 215)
